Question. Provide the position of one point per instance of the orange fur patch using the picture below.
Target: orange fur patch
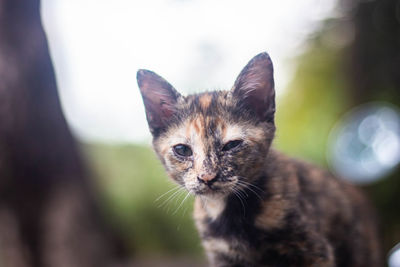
(273, 213)
(205, 101)
(198, 125)
(222, 126)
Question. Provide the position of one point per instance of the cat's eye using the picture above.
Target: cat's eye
(231, 144)
(183, 150)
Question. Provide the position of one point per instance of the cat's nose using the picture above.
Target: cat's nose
(207, 178)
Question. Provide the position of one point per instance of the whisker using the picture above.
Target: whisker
(169, 198)
(183, 201)
(241, 201)
(242, 193)
(252, 185)
(176, 198)
(175, 188)
(248, 187)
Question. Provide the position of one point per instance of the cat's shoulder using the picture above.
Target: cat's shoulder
(289, 176)
(280, 164)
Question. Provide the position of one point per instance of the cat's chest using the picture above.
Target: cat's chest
(225, 230)
(206, 211)
(227, 220)
(213, 207)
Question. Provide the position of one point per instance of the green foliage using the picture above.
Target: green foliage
(131, 178)
(314, 100)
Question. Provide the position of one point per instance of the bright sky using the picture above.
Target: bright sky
(98, 45)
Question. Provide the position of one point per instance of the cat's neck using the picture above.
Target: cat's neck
(213, 206)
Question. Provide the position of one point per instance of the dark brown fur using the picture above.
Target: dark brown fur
(254, 206)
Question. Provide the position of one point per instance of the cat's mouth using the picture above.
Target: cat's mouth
(206, 190)
(213, 189)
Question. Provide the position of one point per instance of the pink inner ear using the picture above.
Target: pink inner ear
(255, 86)
(159, 98)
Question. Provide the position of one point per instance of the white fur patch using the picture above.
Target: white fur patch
(243, 132)
(216, 245)
(233, 132)
(213, 206)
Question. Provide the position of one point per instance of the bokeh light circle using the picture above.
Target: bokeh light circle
(364, 146)
(394, 257)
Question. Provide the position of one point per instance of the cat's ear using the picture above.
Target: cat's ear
(159, 98)
(254, 87)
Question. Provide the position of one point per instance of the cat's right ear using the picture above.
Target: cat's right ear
(159, 98)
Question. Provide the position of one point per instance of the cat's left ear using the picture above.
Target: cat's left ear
(159, 98)
(254, 87)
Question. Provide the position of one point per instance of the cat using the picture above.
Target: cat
(254, 206)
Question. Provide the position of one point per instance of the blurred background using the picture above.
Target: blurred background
(337, 72)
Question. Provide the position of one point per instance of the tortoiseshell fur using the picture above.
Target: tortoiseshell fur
(261, 208)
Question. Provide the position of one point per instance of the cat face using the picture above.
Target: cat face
(215, 142)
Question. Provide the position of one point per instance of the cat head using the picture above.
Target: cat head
(213, 142)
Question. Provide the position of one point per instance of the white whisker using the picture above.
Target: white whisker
(247, 186)
(241, 201)
(183, 201)
(171, 197)
(250, 184)
(176, 198)
(175, 188)
(242, 193)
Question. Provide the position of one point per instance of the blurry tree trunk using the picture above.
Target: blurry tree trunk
(48, 215)
(373, 64)
(374, 55)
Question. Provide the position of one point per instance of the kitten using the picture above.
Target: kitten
(254, 206)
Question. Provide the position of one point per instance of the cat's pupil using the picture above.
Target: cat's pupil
(231, 144)
(183, 150)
